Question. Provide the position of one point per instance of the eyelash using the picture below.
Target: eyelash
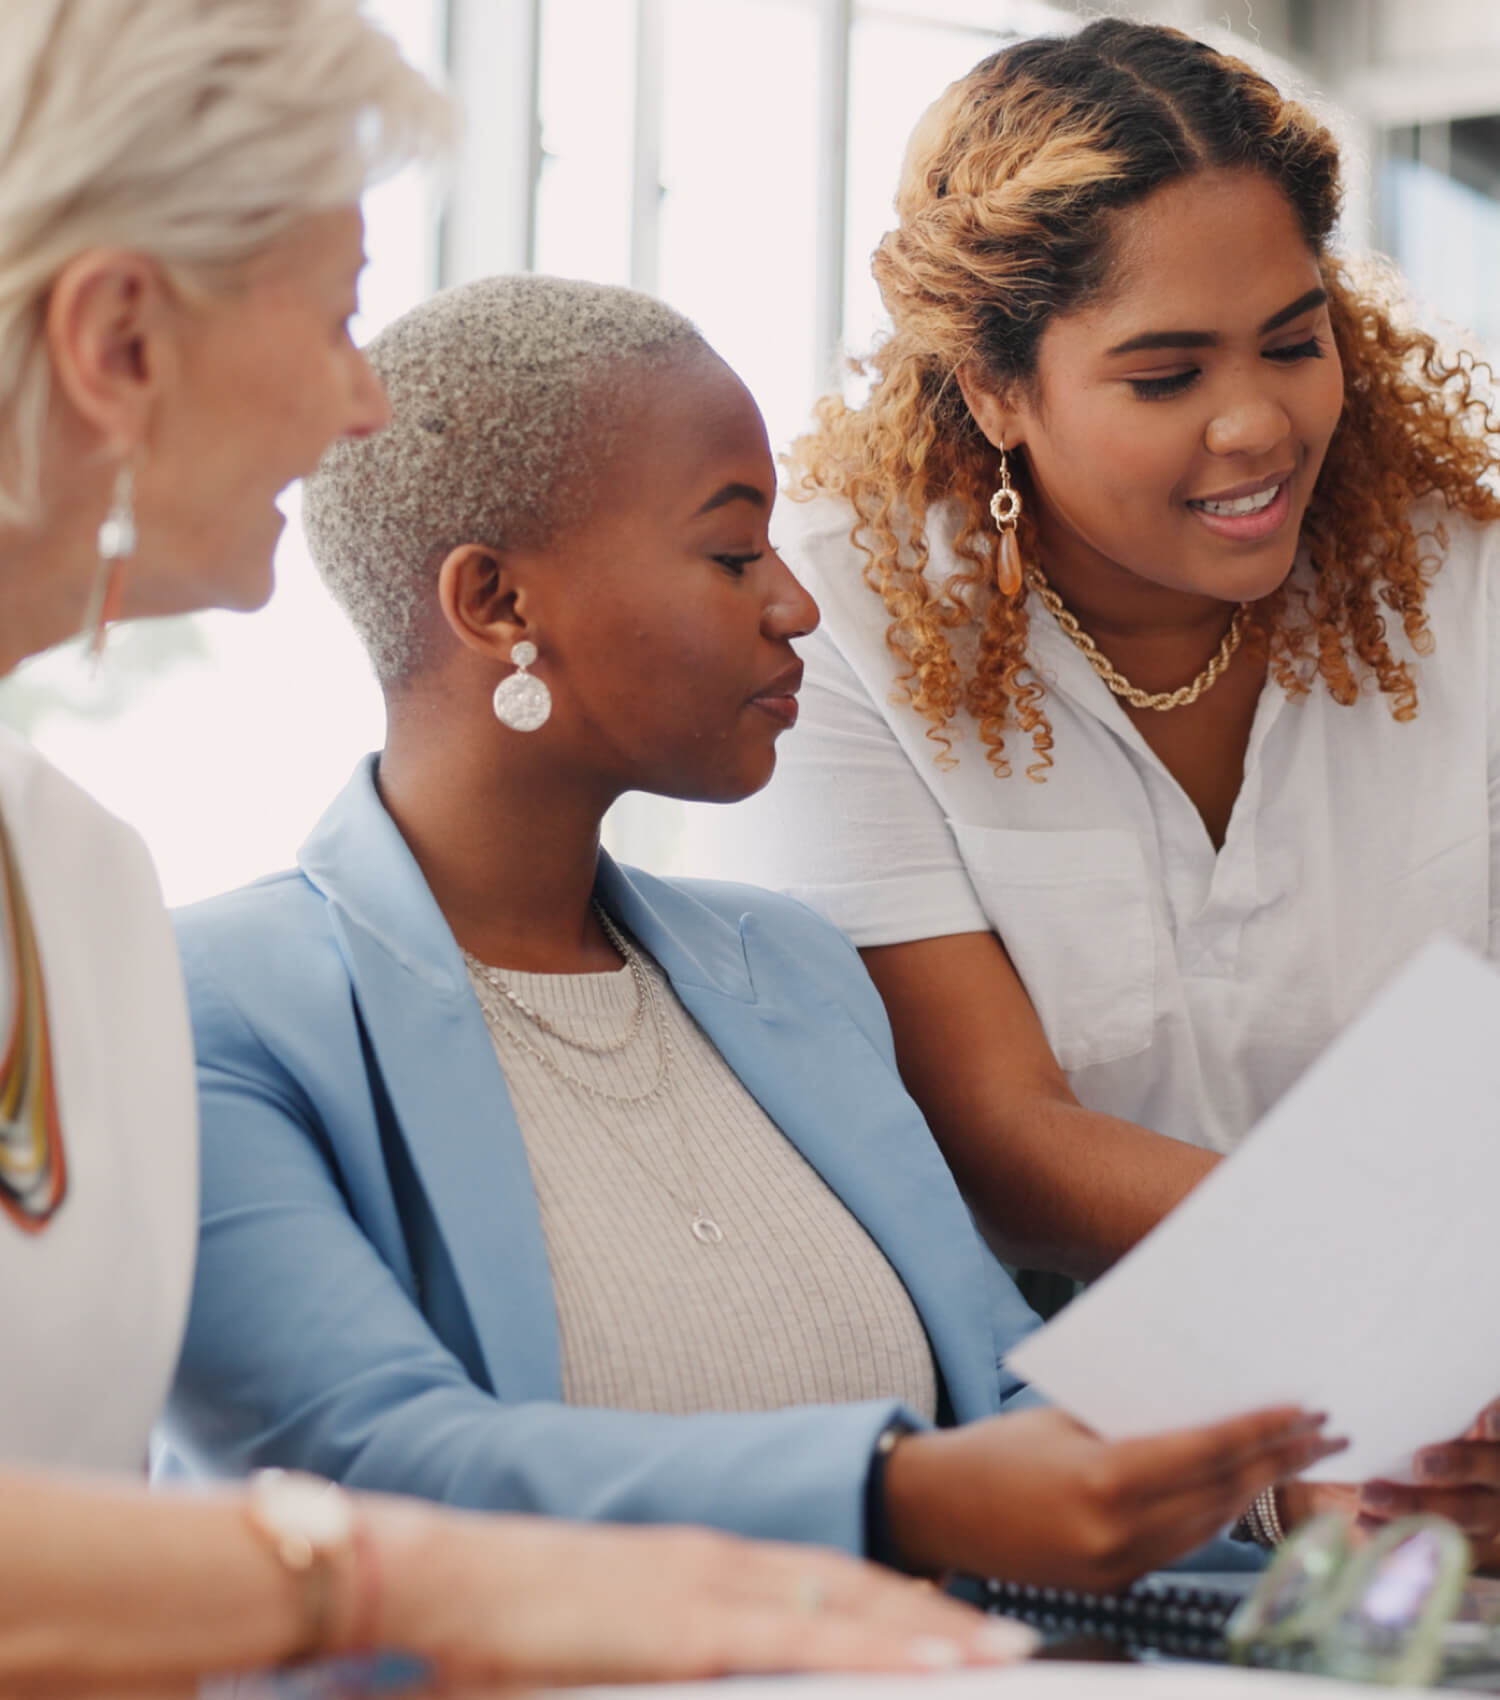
(736, 564)
(1158, 389)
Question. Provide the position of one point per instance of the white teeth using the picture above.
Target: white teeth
(1240, 504)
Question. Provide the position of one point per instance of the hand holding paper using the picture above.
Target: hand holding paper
(1343, 1259)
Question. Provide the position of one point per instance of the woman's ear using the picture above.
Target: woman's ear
(482, 601)
(995, 417)
(108, 328)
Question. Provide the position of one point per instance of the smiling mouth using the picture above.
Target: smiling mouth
(1239, 506)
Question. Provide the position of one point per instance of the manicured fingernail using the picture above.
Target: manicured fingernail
(1005, 1639)
(1377, 1493)
(932, 1652)
(1319, 1448)
(1435, 1464)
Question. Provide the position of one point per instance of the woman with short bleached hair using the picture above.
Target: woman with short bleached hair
(180, 244)
(532, 1181)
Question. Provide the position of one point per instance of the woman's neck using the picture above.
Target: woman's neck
(44, 585)
(1157, 636)
(510, 855)
(47, 569)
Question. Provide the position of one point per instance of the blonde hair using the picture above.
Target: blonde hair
(1013, 195)
(195, 132)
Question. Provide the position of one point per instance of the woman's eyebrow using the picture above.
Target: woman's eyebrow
(732, 493)
(1208, 339)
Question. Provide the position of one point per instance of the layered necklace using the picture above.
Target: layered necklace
(502, 1003)
(33, 1171)
(1116, 680)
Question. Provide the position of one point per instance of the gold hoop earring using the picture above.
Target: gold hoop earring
(1005, 510)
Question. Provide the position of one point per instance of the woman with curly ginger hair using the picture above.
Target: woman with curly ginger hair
(1150, 726)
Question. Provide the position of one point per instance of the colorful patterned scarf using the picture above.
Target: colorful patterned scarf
(33, 1172)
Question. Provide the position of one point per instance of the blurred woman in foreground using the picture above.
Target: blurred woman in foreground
(180, 242)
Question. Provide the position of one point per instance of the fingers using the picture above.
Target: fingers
(1475, 1510)
(1460, 1481)
(817, 1580)
(1486, 1426)
(1223, 1468)
(672, 1604)
(799, 1608)
(1262, 1446)
(780, 1641)
(1461, 1463)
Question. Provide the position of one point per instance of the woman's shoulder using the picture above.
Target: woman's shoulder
(732, 902)
(43, 805)
(1457, 543)
(260, 956)
(726, 911)
(829, 548)
(815, 532)
(1464, 553)
(827, 532)
(259, 917)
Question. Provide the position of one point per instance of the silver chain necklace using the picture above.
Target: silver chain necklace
(499, 999)
(496, 981)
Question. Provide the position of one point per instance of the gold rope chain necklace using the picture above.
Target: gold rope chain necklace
(1116, 680)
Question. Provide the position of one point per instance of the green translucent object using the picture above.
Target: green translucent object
(1392, 1601)
(1281, 1620)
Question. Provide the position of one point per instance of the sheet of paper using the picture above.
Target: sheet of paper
(1344, 1258)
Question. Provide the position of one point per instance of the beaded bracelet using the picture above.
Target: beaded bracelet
(1262, 1520)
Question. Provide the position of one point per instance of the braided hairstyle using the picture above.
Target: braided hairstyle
(1006, 207)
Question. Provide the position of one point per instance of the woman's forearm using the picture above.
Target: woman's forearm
(105, 1587)
(105, 1581)
(1054, 1186)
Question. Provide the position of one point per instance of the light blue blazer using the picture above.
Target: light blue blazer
(373, 1295)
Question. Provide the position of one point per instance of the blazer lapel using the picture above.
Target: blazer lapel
(841, 1104)
(445, 1086)
(799, 1053)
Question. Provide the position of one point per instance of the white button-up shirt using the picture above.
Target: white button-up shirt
(1180, 987)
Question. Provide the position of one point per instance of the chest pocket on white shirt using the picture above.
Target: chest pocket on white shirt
(1071, 911)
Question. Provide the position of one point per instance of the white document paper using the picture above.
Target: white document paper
(1345, 1258)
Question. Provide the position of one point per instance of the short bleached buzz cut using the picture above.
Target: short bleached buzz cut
(195, 132)
(505, 404)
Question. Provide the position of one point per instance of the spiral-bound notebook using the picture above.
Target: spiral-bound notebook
(1181, 1616)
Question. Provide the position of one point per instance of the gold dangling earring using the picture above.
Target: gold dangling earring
(116, 544)
(1005, 510)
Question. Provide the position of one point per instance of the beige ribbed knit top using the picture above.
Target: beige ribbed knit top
(794, 1305)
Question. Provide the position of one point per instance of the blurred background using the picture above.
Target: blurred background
(737, 157)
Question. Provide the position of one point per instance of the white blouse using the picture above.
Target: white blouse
(1183, 988)
(96, 1294)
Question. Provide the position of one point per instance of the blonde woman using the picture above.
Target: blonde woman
(180, 243)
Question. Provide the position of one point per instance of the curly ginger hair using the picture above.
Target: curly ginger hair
(1006, 209)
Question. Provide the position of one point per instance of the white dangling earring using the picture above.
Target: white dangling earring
(116, 544)
(522, 701)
